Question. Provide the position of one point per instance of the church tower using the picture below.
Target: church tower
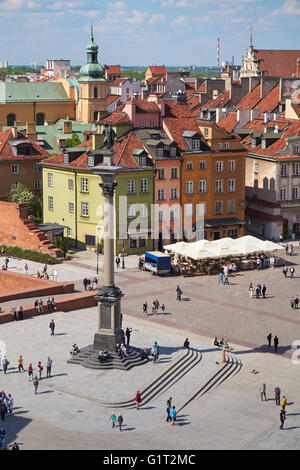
(250, 65)
(93, 89)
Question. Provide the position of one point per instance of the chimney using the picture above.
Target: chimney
(30, 128)
(67, 127)
(14, 131)
(298, 67)
(265, 118)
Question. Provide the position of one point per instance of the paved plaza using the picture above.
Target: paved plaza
(70, 412)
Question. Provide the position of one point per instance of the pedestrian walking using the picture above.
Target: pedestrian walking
(293, 303)
(163, 308)
(292, 272)
(186, 344)
(155, 352)
(20, 364)
(269, 338)
(2, 437)
(26, 268)
(264, 288)
(263, 392)
(296, 301)
(113, 419)
(277, 392)
(282, 417)
(220, 278)
(6, 262)
(52, 327)
(138, 400)
(2, 411)
(49, 367)
(10, 402)
(5, 363)
(285, 270)
(30, 372)
(118, 261)
(85, 283)
(168, 409)
(35, 384)
(173, 415)
(283, 402)
(40, 369)
(276, 342)
(127, 333)
(120, 421)
(251, 290)
(20, 312)
(14, 313)
(145, 308)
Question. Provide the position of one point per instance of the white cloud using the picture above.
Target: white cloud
(290, 7)
(181, 20)
(11, 4)
(239, 20)
(156, 18)
(137, 18)
(32, 5)
(61, 5)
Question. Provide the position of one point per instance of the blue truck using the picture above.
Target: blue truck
(157, 262)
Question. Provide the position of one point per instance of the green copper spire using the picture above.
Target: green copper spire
(92, 69)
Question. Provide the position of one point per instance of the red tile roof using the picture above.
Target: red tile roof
(118, 81)
(296, 108)
(218, 102)
(144, 106)
(117, 117)
(270, 101)
(250, 100)
(277, 62)
(158, 69)
(6, 153)
(229, 122)
(111, 98)
(113, 68)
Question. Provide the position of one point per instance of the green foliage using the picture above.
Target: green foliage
(30, 255)
(20, 193)
(72, 142)
(18, 70)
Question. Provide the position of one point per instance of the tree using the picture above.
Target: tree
(20, 193)
(72, 142)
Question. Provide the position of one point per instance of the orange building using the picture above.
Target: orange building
(20, 159)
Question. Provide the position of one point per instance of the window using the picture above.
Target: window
(196, 144)
(232, 233)
(71, 207)
(161, 194)
(283, 170)
(160, 216)
(263, 144)
(219, 166)
(143, 210)
(95, 92)
(296, 169)
(188, 210)
(69, 232)
(255, 168)
(189, 187)
(283, 194)
(174, 194)
(219, 186)
(84, 185)
(202, 186)
(173, 214)
(142, 123)
(50, 180)
(70, 185)
(231, 165)
(189, 166)
(296, 149)
(231, 207)
(15, 169)
(50, 203)
(142, 242)
(231, 186)
(37, 168)
(131, 187)
(173, 152)
(227, 145)
(295, 193)
(40, 119)
(202, 165)
(220, 146)
(205, 131)
(90, 240)
(131, 211)
(219, 208)
(143, 161)
(160, 152)
(37, 184)
(144, 185)
(174, 173)
(201, 209)
(10, 119)
(253, 142)
(132, 243)
(96, 115)
(84, 209)
(161, 174)
(91, 160)
(152, 123)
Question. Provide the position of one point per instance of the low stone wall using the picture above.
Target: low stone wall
(65, 304)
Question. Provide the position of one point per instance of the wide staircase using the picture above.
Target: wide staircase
(166, 379)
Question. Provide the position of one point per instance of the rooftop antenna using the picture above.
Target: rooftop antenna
(251, 45)
(218, 52)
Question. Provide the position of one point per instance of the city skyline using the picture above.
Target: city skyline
(131, 32)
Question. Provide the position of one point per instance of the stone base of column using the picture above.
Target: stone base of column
(107, 341)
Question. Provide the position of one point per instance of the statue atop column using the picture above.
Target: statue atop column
(110, 136)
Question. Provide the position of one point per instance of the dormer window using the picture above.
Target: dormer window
(173, 152)
(91, 161)
(160, 152)
(196, 144)
(143, 161)
(263, 144)
(296, 149)
(253, 142)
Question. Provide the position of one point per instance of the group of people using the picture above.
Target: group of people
(43, 274)
(171, 412)
(282, 403)
(285, 271)
(90, 284)
(289, 249)
(5, 265)
(102, 355)
(155, 307)
(114, 419)
(6, 409)
(294, 301)
(259, 290)
(74, 350)
(121, 350)
(50, 303)
(276, 341)
(18, 314)
(221, 344)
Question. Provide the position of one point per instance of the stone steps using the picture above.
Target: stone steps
(89, 358)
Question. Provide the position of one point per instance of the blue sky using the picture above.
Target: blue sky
(145, 32)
